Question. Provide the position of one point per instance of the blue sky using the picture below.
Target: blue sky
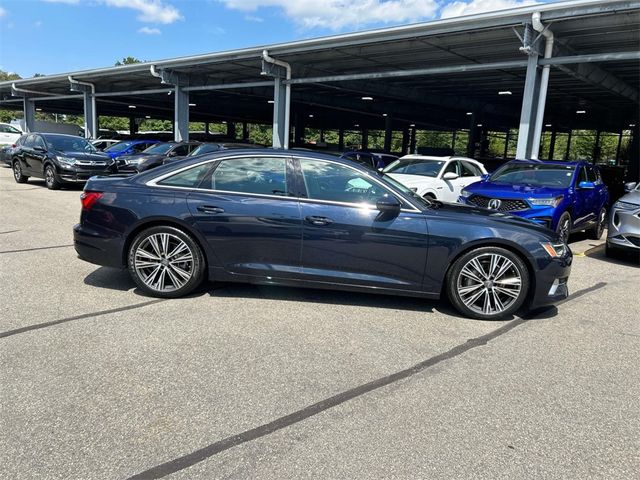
(53, 36)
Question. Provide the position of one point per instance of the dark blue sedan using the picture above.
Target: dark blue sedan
(306, 219)
(563, 196)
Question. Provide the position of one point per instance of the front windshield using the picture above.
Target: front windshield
(539, 175)
(205, 148)
(159, 148)
(119, 147)
(425, 168)
(69, 144)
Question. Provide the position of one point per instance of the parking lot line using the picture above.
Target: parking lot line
(36, 248)
(204, 453)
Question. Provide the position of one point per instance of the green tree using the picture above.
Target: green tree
(127, 61)
(4, 76)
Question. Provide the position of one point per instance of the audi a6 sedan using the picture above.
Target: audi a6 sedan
(307, 219)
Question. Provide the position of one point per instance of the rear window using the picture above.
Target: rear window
(190, 178)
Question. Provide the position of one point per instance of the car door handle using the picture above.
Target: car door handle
(210, 209)
(318, 221)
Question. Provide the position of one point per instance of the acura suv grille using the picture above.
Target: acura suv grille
(506, 204)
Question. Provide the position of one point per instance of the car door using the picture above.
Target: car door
(448, 190)
(347, 240)
(249, 217)
(583, 202)
(27, 155)
(38, 155)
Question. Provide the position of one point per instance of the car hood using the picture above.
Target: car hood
(631, 197)
(487, 216)
(140, 156)
(520, 191)
(413, 180)
(84, 156)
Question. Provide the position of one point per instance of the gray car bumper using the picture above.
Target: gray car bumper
(624, 228)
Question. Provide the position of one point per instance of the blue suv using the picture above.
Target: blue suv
(563, 196)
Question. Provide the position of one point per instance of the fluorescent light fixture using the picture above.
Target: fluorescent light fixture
(412, 125)
(581, 111)
(147, 116)
(311, 115)
(479, 125)
(504, 92)
(367, 99)
(38, 109)
(384, 114)
(632, 124)
(132, 106)
(547, 125)
(469, 113)
(357, 125)
(224, 121)
(192, 104)
(270, 101)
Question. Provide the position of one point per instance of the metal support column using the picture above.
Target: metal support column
(365, 139)
(388, 133)
(29, 107)
(552, 144)
(618, 147)
(231, 130)
(206, 128)
(530, 100)
(181, 114)
(454, 134)
(90, 111)
(299, 128)
(412, 141)
(341, 139)
(133, 126)
(280, 137)
(245, 131)
(566, 153)
(406, 137)
(506, 144)
(596, 149)
(471, 140)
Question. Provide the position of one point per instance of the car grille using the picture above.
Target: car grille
(507, 204)
(633, 240)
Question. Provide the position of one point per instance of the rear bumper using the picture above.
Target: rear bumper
(94, 247)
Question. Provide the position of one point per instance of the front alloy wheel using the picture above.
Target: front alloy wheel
(488, 283)
(165, 262)
(50, 178)
(564, 227)
(17, 173)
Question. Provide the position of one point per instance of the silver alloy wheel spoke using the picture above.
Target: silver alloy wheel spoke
(489, 283)
(164, 262)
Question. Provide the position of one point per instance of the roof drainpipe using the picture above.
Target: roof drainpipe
(24, 90)
(544, 82)
(93, 106)
(287, 101)
(154, 73)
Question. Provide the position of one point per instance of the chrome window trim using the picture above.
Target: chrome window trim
(154, 183)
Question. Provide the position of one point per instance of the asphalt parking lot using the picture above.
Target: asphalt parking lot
(99, 381)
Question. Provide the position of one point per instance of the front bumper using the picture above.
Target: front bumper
(624, 228)
(551, 282)
(81, 175)
(546, 216)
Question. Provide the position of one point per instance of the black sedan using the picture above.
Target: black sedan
(59, 159)
(154, 156)
(312, 220)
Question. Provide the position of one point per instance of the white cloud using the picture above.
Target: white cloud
(151, 11)
(3, 12)
(338, 14)
(459, 8)
(253, 18)
(149, 31)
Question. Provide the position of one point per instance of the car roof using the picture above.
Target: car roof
(548, 162)
(415, 156)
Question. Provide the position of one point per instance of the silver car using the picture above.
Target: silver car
(624, 222)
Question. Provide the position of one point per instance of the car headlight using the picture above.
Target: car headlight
(620, 205)
(67, 160)
(546, 202)
(555, 249)
(465, 193)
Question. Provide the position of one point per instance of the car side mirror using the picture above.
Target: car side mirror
(586, 185)
(388, 204)
(630, 186)
(450, 176)
(485, 177)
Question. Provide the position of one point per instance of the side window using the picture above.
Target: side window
(190, 178)
(138, 147)
(5, 129)
(29, 141)
(338, 183)
(469, 169)
(193, 146)
(452, 167)
(582, 176)
(261, 175)
(39, 142)
(591, 175)
(180, 151)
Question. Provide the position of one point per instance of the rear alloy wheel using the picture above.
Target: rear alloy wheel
(166, 262)
(18, 176)
(50, 178)
(488, 283)
(564, 227)
(596, 232)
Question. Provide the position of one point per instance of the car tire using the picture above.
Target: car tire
(51, 179)
(429, 196)
(596, 232)
(150, 263)
(564, 227)
(488, 283)
(18, 176)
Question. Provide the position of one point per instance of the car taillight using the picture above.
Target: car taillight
(89, 198)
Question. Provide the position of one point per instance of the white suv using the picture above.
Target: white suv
(441, 178)
(8, 134)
